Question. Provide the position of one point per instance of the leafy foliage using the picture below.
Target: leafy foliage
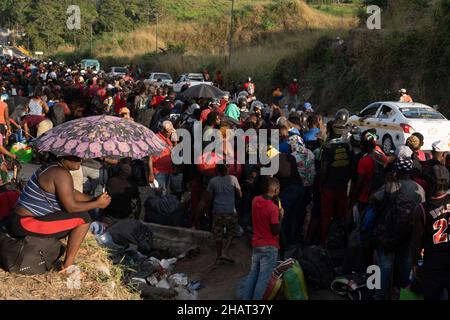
(44, 21)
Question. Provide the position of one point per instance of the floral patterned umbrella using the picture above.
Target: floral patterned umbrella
(100, 136)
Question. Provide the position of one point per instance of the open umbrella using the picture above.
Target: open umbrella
(100, 136)
(203, 91)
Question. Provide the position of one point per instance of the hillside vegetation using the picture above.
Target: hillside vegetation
(264, 33)
(408, 52)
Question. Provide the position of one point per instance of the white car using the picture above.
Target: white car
(189, 80)
(117, 72)
(396, 121)
(159, 77)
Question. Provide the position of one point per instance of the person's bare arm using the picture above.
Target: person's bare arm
(239, 193)
(8, 124)
(151, 176)
(6, 152)
(82, 197)
(65, 191)
(45, 106)
(110, 161)
(15, 123)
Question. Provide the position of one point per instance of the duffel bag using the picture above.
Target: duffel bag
(29, 255)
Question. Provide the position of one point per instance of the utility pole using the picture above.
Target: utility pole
(230, 40)
(148, 11)
(157, 24)
(91, 38)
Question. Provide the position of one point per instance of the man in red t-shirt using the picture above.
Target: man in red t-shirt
(160, 167)
(293, 93)
(266, 218)
(366, 169)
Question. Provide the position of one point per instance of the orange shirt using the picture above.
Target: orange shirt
(406, 98)
(3, 107)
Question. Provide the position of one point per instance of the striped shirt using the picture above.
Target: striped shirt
(36, 200)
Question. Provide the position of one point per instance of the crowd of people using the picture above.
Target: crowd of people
(325, 178)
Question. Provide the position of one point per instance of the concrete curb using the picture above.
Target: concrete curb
(189, 236)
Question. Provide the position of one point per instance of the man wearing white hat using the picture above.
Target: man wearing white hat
(404, 97)
(440, 150)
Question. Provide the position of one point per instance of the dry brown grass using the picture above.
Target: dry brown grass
(211, 36)
(102, 280)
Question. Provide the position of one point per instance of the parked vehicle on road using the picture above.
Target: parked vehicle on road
(90, 63)
(117, 72)
(396, 121)
(188, 80)
(160, 77)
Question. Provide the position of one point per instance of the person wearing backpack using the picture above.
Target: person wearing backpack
(370, 171)
(335, 173)
(431, 235)
(398, 201)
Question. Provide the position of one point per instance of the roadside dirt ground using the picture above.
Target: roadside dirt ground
(220, 280)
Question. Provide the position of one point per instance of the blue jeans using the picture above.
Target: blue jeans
(264, 260)
(163, 180)
(398, 261)
(291, 201)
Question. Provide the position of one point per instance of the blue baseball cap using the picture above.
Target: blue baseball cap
(308, 107)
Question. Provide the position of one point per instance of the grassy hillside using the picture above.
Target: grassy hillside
(265, 32)
(351, 9)
(201, 10)
(373, 65)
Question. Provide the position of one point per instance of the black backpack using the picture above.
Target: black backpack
(394, 222)
(317, 266)
(379, 176)
(29, 255)
(135, 232)
(164, 210)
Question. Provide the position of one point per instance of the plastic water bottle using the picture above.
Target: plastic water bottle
(97, 228)
(106, 240)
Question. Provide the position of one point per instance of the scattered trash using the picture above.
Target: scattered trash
(97, 228)
(195, 285)
(168, 264)
(178, 279)
(152, 276)
(106, 240)
(186, 294)
(163, 284)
